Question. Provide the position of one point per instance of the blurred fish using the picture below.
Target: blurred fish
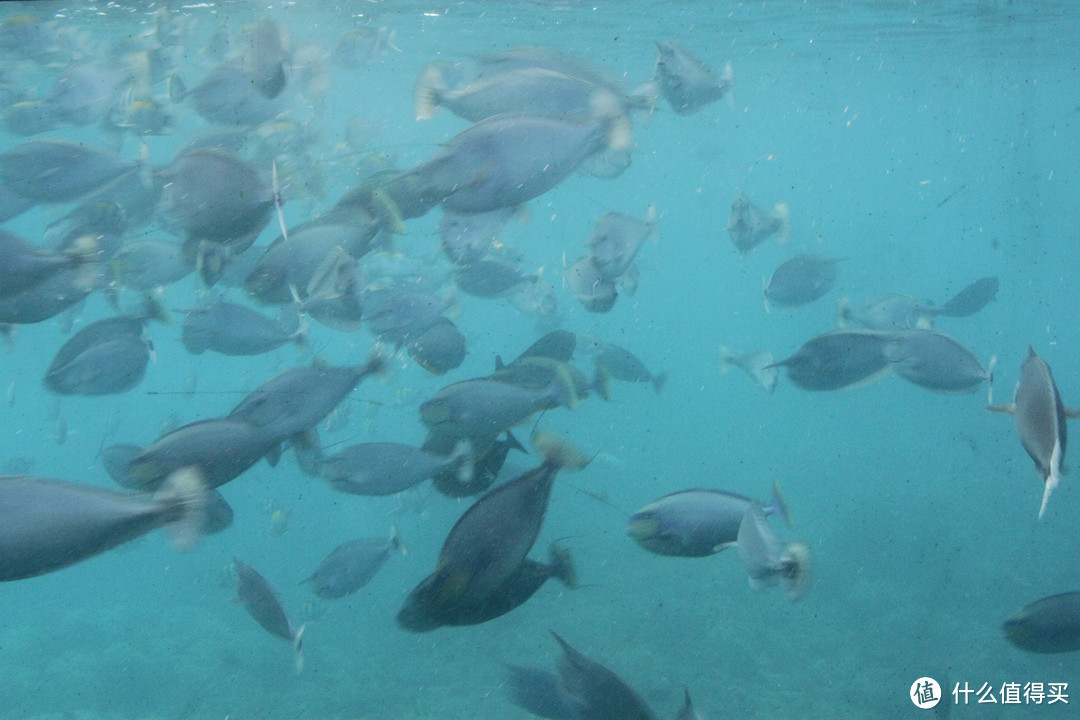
(23, 266)
(263, 603)
(490, 540)
(267, 59)
(489, 455)
(750, 225)
(901, 312)
(767, 560)
(800, 280)
(936, 362)
(30, 117)
(359, 46)
(589, 287)
(229, 95)
(616, 240)
(149, 264)
(971, 299)
(1040, 419)
(49, 524)
(472, 236)
(490, 278)
(389, 468)
(621, 364)
(686, 82)
(440, 348)
(837, 360)
(231, 329)
(56, 171)
(399, 316)
(1048, 625)
(583, 690)
(106, 357)
(85, 92)
(696, 523)
(482, 406)
(352, 565)
(758, 365)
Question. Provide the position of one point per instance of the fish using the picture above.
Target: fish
(698, 522)
(616, 240)
(229, 96)
(23, 267)
(1040, 417)
(58, 171)
(490, 278)
(440, 348)
(688, 83)
(767, 560)
(583, 690)
(688, 711)
(48, 524)
(936, 362)
(749, 225)
(894, 311)
(235, 330)
(106, 357)
(489, 455)
(351, 565)
(758, 365)
(491, 539)
(264, 605)
(386, 468)
(837, 360)
(505, 161)
(1048, 625)
(149, 264)
(971, 299)
(397, 317)
(621, 364)
(589, 287)
(800, 280)
(482, 406)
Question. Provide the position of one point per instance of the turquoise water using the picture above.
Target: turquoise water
(928, 144)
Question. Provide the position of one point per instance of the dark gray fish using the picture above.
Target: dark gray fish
(232, 329)
(214, 196)
(390, 468)
(491, 539)
(352, 565)
(935, 361)
(263, 603)
(399, 316)
(217, 514)
(85, 92)
(837, 360)
(556, 345)
(482, 406)
(758, 365)
(298, 399)
(583, 690)
(22, 266)
(546, 58)
(538, 373)
(56, 171)
(117, 459)
(490, 278)
(1048, 625)
(800, 280)
(767, 560)
(46, 299)
(696, 523)
(616, 240)
(621, 364)
(750, 225)
(589, 287)
(267, 59)
(514, 592)
(440, 348)
(489, 455)
(472, 236)
(229, 96)
(221, 448)
(506, 161)
(686, 82)
(1040, 417)
(49, 524)
(104, 358)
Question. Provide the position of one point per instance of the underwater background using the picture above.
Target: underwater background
(925, 144)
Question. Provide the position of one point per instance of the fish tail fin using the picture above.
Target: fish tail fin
(1051, 483)
(602, 382)
(778, 505)
(463, 460)
(298, 648)
(564, 388)
(658, 382)
(990, 379)
(645, 96)
(185, 490)
(795, 570)
(843, 312)
(558, 452)
(429, 86)
(783, 216)
(396, 542)
(727, 83)
(607, 108)
(562, 565)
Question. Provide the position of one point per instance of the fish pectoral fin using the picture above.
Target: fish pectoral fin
(722, 546)
(1072, 413)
